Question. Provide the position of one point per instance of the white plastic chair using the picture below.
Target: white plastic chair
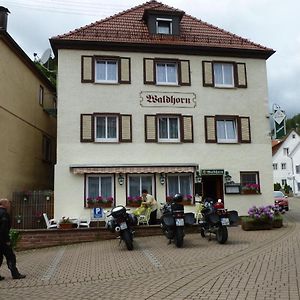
(52, 223)
(84, 222)
(145, 217)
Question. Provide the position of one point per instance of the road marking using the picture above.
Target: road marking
(153, 260)
(50, 271)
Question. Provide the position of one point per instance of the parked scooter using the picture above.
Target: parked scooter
(174, 219)
(215, 219)
(122, 222)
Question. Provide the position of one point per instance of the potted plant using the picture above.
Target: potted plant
(251, 188)
(187, 199)
(65, 223)
(260, 218)
(134, 201)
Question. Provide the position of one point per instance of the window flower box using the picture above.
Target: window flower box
(99, 202)
(251, 189)
(134, 201)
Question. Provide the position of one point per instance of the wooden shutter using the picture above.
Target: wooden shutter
(87, 69)
(187, 129)
(241, 75)
(125, 134)
(210, 129)
(185, 75)
(207, 73)
(124, 70)
(149, 75)
(244, 130)
(86, 128)
(150, 129)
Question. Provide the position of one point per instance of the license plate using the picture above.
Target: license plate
(123, 225)
(179, 222)
(225, 221)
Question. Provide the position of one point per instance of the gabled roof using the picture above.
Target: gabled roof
(129, 28)
(276, 144)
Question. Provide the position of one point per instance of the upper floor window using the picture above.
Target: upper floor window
(168, 129)
(283, 166)
(41, 96)
(275, 166)
(286, 151)
(106, 128)
(166, 73)
(223, 74)
(47, 149)
(226, 131)
(106, 71)
(163, 26)
(298, 169)
(283, 182)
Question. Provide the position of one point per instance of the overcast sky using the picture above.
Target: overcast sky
(272, 23)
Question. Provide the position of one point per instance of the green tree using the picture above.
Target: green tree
(293, 123)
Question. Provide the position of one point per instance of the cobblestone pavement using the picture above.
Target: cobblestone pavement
(251, 265)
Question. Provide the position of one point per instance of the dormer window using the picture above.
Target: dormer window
(163, 26)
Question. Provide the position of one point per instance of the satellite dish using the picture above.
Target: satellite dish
(46, 55)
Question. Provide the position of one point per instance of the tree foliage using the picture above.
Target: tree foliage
(49, 69)
(293, 123)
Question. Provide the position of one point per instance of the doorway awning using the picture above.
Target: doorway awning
(133, 169)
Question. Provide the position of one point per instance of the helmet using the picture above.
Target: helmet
(178, 198)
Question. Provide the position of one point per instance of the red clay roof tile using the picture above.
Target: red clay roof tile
(129, 27)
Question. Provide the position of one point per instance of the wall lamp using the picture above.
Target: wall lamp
(121, 179)
(227, 177)
(162, 178)
(198, 177)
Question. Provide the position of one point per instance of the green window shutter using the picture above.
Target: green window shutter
(241, 75)
(149, 76)
(124, 70)
(185, 74)
(125, 128)
(244, 130)
(210, 129)
(86, 128)
(187, 135)
(207, 73)
(87, 69)
(150, 129)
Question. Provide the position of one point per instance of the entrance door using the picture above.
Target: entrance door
(212, 186)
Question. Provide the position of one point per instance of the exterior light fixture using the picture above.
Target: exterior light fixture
(162, 178)
(121, 179)
(198, 177)
(227, 177)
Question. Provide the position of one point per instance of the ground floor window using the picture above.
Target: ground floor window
(250, 182)
(298, 184)
(283, 182)
(99, 188)
(179, 183)
(136, 183)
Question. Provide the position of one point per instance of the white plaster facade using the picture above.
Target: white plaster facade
(76, 98)
(286, 162)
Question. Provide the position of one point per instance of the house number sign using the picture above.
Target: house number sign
(160, 99)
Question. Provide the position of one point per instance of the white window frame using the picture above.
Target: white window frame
(283, 166)
(168, 139)
(226, 139)
(106, 139)
(152, 192)
(164, 21)
(99, 176)
(256, 174)
(106, 61)
(223, 84)
(166, 64)
(178, 175)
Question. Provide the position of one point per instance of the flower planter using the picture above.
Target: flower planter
(277, 223)
(247, 226)
(250, 192)
(134, 204)
(65, 226)
(93, 205)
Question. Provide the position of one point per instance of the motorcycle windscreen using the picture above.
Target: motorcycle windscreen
(168, 219)
(213, 218)
(233, 217)
(189, 218)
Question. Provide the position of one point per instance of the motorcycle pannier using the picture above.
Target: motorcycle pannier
(168, 219)
(213, 218)
(233, 217)
(189, 218)
(118, 211)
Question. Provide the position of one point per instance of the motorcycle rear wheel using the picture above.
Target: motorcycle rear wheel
(222, 234)
(127, 237)
(178, 238)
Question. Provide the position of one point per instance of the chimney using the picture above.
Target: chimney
(3, 17)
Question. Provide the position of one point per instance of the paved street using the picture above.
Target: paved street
(252, 265)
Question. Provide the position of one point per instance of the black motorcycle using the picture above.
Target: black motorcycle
(122, 222)
(174, 219)
(215, 219)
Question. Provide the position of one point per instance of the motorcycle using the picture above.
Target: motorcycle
(122, 222)
(174, 219)
(215, 219)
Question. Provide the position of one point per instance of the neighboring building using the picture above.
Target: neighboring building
(28, 132)
(286, 161)
(152, 97)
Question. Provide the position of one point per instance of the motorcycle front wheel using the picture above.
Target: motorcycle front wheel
(222, 234)
(127, 237)
(178, 239)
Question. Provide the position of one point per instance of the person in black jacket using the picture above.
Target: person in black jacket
(5, 245)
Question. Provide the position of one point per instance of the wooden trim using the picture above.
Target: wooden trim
(207, 138)
(184, 129)
(85, 72)
(180, 67)
(121, 139)
(207, 74)
(83, 127)
(241, 75)
(244, 129)
(121, 70)
(147, 120)
(147, 65)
